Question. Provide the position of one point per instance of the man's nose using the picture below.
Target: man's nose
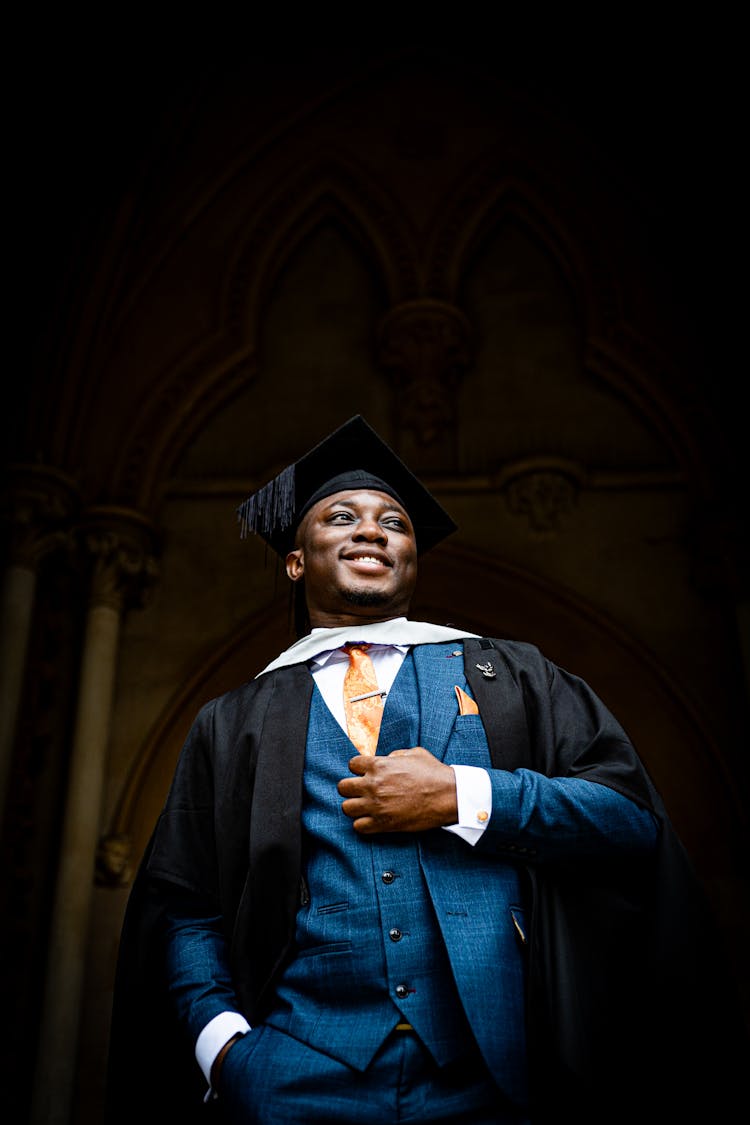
(371, 530)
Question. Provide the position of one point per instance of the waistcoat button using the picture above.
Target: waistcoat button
(402, 991)
(395, 934)
(388, 876)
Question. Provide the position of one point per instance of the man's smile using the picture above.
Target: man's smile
(368, 559)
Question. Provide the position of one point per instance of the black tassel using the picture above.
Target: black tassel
(271, 509)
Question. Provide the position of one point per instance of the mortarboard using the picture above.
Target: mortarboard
(353, 456)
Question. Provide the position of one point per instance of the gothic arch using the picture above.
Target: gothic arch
(611, 351)
(211, 375)
(326, 189)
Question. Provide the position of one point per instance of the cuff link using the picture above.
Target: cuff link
(483, 816)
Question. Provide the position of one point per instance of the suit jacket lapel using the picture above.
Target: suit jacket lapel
(438, 672)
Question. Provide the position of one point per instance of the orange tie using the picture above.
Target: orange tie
(363, 701)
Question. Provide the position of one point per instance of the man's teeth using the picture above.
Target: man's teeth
(369, 559)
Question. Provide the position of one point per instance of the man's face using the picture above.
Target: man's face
(357, 553)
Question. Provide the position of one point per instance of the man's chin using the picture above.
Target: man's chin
(365, 598)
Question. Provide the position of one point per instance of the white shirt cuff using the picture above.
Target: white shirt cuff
(474, 799)
(215, 1034)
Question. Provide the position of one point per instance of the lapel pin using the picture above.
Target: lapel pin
(487, 670)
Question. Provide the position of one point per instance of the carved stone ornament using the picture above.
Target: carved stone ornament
(120, 545)
(544, 490)
(114, 860)
(38, 504)
(425, 346)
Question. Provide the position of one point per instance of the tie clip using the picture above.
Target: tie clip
(367, 695)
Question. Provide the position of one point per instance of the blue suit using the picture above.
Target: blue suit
(447, 928)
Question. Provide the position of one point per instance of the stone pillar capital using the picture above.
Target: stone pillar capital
(121, 546)
(38, 504)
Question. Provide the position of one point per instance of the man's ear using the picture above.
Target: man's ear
(295, 564)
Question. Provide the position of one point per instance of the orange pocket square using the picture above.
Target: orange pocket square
(466, 705)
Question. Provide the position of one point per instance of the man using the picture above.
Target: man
(448, 893)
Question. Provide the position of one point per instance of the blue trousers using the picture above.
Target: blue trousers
(269, 1078)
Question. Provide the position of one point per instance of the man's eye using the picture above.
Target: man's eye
(342, 517)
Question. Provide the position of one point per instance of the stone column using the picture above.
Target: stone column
(119, 543)
(37, 508)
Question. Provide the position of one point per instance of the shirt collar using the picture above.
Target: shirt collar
(399, 631)
(338, 653)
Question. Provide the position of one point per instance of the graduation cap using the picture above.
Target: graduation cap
(353, 456)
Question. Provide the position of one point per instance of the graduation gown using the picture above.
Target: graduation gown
(629, 1012)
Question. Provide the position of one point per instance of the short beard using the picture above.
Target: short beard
(365, 597)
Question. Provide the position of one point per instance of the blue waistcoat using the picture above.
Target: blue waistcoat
(371, 949)
(369, 946)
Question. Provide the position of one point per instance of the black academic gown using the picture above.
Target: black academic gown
(630, 1014)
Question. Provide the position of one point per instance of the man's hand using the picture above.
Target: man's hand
(408, 791)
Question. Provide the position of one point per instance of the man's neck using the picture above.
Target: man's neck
(359, 623)
(345, 620)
